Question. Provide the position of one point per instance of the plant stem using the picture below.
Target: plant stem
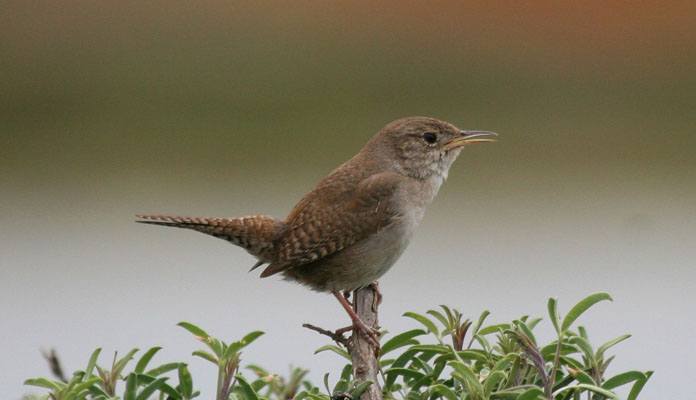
(556, 362)
(220, 382)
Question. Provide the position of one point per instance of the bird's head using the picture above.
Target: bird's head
(422, 147)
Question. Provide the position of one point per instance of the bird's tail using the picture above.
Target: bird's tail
(253, 233)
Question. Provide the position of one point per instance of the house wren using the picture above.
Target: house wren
(349, 230)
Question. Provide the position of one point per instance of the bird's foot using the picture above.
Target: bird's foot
(341, 331)
(369, 333)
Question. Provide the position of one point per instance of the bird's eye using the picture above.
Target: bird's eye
(430, 137)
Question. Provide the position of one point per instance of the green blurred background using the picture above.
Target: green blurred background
(108, 109)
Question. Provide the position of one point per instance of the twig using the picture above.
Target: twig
(335, 336)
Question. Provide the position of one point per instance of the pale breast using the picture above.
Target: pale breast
(367, 260)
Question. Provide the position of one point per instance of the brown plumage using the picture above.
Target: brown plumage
(355, 224)
(254, 233)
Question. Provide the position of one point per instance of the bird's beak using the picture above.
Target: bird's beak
(470, 137)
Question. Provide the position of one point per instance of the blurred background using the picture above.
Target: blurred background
(108, 109)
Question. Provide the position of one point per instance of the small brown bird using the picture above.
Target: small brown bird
(349, 230)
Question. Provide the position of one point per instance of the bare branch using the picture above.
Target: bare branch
(362, 351)
(336, 336)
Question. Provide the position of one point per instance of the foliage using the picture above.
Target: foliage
(471, 361)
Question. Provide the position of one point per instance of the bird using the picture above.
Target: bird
(352, 227)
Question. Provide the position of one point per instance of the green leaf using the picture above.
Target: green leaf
(151, 388)
(407, 373)
(638, 386)
(246, 389)
(443, 391)
(145, 359)
(131, 386)
(217, 346)
(504, 362)
(341, 386)
(45, 383)
(477, 327)
(474, 355)
(493, 329)
(400, 361)
(329, 347)
(549, 351)
(347, 372)
(552, 306)
(231, 350)
(583, 377)
(206, 356)
(98, 392)
(235, 347)
(483, 342)
(613, 342)
(582, 306)
(421, 363)
(431, 348)
(531, 394)
(250, 337)
(185, 381)
(121, 363)
(163, 369)
(145, 379)
(583, 332)
(259, 384)
(571, 362)
(172, 394)
(196, 331)
(304, 395)
(401, 340)
(622, 379)
(527, 332)
(438, 315)
(76, 378)
(532, 323)
(481, 320)
(448, 311)
(492, 381)
(360, 389)
(584, 386)
(86, 384)
(585, 347)
(464, 374)
(326, 383)
(91, 363)
(429, 325)
(258, 370)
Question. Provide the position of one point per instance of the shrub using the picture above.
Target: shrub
(463, 360)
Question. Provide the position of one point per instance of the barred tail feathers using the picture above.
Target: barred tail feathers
(253, 233)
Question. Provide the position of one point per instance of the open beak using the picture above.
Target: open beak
(470, 137)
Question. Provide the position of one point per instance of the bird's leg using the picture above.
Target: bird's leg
(358, 324)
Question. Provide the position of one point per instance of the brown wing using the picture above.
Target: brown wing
(331, 219)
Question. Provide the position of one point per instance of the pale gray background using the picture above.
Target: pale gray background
(226, 110)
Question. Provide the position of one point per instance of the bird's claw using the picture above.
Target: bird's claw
(369, 333)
